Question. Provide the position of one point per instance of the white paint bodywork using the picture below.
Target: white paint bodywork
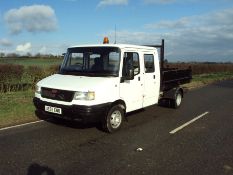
(140, 92)
(106, 88)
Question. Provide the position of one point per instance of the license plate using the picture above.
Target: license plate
(53, 109)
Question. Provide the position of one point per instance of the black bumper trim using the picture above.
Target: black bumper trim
(81, 113)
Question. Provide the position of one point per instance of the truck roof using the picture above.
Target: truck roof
(121, 46)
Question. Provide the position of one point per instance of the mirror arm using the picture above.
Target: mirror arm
(122, 80)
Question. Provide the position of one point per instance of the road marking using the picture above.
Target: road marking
(188, 123)
(16, 126)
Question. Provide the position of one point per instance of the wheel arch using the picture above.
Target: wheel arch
(171, 94)
(121, 103)
(181, 90)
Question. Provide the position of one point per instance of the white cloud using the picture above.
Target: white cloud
(183, 22)
(206, 37)
(112, 2)
(35, 18)
(5, 42)
(132, 37)
(49, 48)
(159, 1)
(165, 2)
(43, 49)
(24, 47)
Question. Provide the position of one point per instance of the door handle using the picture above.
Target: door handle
(154, 76)
(139, 78)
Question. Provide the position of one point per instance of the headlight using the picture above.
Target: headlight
(84, 95)
(38, 89)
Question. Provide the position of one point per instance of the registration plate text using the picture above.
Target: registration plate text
(53, 109)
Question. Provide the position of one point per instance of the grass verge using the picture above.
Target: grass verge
(204, 79)
(17, 107)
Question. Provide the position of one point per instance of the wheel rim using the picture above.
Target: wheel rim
(178, 99)
(115, 119)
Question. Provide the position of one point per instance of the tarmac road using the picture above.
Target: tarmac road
(203, 147)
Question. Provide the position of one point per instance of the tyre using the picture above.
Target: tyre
(178, 99)
(113, 121)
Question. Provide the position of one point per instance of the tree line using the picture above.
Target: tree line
(28, 55)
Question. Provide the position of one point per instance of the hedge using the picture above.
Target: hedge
(17, 77)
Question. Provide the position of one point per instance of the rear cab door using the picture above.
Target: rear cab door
(151, 73)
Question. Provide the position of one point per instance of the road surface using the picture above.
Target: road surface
(153, 141)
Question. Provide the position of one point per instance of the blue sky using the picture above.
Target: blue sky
(194, 30)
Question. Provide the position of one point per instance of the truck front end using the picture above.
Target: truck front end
(84, 88)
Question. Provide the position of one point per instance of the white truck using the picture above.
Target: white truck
(101, 83)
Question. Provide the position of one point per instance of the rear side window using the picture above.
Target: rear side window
(149, 63)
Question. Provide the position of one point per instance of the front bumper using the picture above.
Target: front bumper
(80, 113)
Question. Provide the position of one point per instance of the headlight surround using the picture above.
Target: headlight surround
(90, 95)
(38, 89)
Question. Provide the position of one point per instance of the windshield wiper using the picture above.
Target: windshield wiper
(87, 73)
(91, 74)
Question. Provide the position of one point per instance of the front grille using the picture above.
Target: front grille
(57, 94)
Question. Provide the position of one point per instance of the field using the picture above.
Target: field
(42, 62)
(17, 81)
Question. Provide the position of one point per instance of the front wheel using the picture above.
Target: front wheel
(113, 121)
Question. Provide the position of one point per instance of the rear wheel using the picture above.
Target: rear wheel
(178, 99)
(113, 121)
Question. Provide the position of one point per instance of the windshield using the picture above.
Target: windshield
(91, 61)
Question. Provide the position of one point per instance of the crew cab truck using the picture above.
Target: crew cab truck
(101, 83)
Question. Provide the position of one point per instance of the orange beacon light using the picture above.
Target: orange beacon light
(106, 40)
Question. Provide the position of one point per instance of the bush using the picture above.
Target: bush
(11, 76)
(17, 77)
(52, 69)
(34, 74)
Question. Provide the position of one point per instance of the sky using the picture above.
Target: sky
(194, 30)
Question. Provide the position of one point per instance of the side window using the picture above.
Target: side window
(149, 63)
(134, 57)
(136, 63)
(75, 59)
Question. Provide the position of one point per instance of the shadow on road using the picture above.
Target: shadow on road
(165, 103)
(79, 125)
(36, 169)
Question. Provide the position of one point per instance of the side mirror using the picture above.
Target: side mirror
(59, 69)
(130, 75)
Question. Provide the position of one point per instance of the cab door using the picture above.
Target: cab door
(131, 90)
(151, 79)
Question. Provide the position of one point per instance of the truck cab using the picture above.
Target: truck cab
(101, 83)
